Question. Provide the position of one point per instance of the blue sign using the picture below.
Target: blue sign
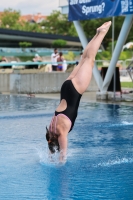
(91, 9)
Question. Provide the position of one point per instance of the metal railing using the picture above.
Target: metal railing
(100, 63)
(15, 63)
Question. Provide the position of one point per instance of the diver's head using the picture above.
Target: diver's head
(52, 139)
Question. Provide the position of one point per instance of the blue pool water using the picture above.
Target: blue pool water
(100, 152)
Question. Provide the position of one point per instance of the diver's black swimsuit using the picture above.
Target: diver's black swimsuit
(72, 97)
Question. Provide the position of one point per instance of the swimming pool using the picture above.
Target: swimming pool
(100, 153)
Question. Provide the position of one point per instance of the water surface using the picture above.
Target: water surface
(100, 152)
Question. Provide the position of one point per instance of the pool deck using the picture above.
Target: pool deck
(127, 99)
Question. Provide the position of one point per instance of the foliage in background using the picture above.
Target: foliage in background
(25, 58)
(125, 55)
(70, 56)
(127, 84)
(57, 23)
(25, 44)
(59, 43)
(10, 19)
(106, 55)
(109, 48)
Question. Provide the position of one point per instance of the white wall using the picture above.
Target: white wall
(36, 82)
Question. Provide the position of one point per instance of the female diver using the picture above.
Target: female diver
(71, 92)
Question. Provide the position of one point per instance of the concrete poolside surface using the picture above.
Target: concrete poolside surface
(127, 99)
(89, 96)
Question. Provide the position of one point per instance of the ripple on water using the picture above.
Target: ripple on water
(100, 152)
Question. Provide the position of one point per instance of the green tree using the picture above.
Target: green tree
(90, 26)
(10, 18)
(59, 43)
(69, 56)
(125, 55)
(33, 27)
(25, 44)
(57, 23)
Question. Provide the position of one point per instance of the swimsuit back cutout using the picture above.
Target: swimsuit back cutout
(72, 97)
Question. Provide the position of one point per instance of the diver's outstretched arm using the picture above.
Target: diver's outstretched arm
(62, 139)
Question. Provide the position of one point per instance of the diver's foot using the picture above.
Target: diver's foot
(105, 27)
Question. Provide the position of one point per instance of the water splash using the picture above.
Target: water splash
(45, 158)
(127, 123)
(117, 161)
(109, 125)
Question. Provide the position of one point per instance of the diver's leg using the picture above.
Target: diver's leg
(75, 70)
(83, 76)
(102, 28)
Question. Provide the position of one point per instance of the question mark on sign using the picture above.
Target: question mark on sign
(103, 5)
